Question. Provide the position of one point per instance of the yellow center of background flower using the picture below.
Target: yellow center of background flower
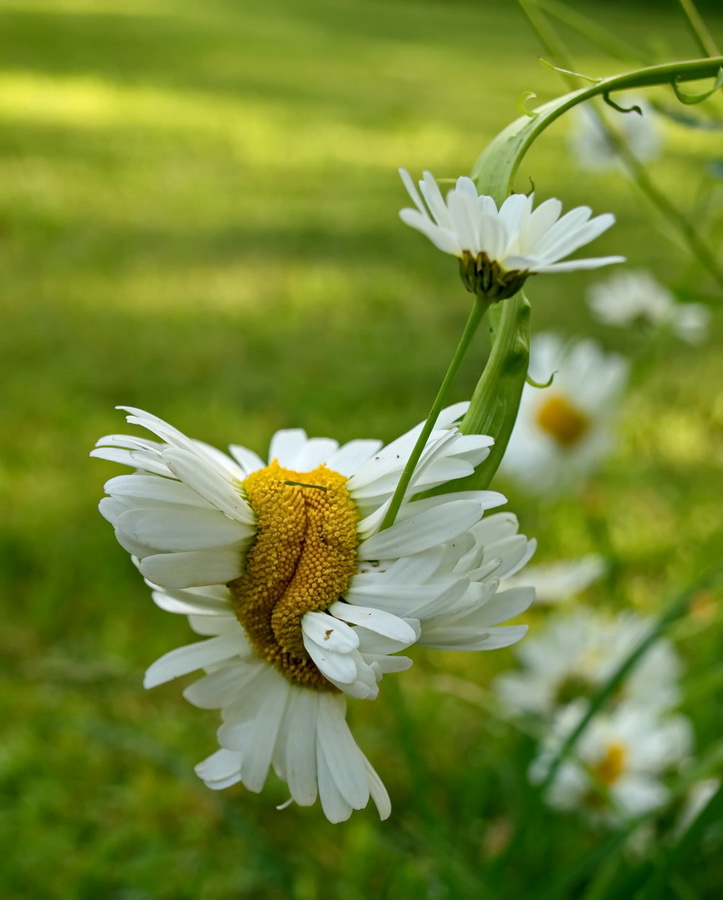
(612, 765)
(561, 420)
(303, 558)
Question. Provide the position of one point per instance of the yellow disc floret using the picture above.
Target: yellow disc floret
(302, 560)
(612, 764)
(561, 420)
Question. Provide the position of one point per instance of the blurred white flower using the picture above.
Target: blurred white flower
(562, 580)
(628, 298)
(594, 150)
(577, 652)
(499, 248)
(302, 598)
(564, 430)
(614, 770)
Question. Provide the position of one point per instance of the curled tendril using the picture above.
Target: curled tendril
(540, 384)
(522, 104)
(610, 102)
(692, 99)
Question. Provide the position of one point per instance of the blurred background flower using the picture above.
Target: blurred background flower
(638, 130)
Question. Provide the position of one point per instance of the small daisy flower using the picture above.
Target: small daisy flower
(593, 148)
(499, 248)
(578, 652)
(614, 771)
(560, 581)
(631, 298)
(564, 430)
(303, 601)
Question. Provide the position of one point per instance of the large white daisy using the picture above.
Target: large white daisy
(563, 430)
(303, 600)
(499, 248)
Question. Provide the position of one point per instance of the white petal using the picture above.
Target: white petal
(175, 529)
(342, 756)
(193, 603)
(212, 484)
(187, 659)
(328, 632)
(378, 792)
(217, 688)
(285, 444)
(301, 745)
(221, 769)
(247, 459)
(151, 487)
(376, 620)
(257, 759)
(337, 667)
(193, 568)
(420, 532)
(351, 456)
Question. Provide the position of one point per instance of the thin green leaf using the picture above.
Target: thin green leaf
(693, 99)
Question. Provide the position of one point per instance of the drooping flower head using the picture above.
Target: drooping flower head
(636, 298)
(499, 248)
(563, 430)
(303, 600)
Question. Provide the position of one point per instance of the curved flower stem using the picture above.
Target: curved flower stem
(496, 167)
(550, 41)
(475, 317)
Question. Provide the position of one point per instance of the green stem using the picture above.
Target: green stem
(496, 399)
(497, 166)
(550, 41)
(658, 199)
(698, 28)
(475, 317)
(596, 34)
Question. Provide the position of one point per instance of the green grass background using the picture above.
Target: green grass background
(198, 216)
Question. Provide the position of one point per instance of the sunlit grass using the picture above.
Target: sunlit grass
(198, 215)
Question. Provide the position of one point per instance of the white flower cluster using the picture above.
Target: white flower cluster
(615, 770)
(636, 298)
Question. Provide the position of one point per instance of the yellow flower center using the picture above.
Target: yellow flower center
(612, 765)
(561, 420)
(303, 558)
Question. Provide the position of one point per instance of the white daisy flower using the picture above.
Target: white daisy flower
(578, 652)
(499, 248)
(594, 150)
(562, 580)
(302, 598)
(564, 430)
(631, 298)
(614, 770)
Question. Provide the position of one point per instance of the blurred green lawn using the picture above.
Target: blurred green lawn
(198, 216)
